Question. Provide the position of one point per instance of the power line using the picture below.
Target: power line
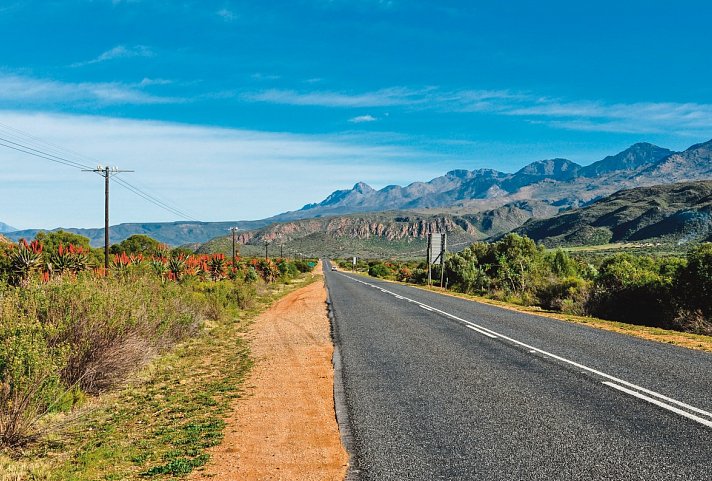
(38, 153)
(148, 197)
(27, 138)
(22, 146)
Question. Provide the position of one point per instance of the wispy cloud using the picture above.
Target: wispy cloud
(636, 118)
(119, 52)
(582, 115)
(16, 89)
(225, 14)
(362, 118)
(265, 76)
(426, 97)
(379, 98)
(147, 82)
(170, 158)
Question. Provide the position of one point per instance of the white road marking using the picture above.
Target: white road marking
(634, 391)
(660, 403)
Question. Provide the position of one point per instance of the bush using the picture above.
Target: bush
(82, 335)
(379, 270)
(569, 295)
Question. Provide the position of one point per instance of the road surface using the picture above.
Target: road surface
(438, 387)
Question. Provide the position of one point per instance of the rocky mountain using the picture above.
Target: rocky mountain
(6, 228)
(4, 240)
(633, 158)
(381, 234)
(694, 163)
(678, 213)
(485, 201)
(560, 182)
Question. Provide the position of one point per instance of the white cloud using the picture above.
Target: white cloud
(363, 118)
(119, 52)
(638, 118)
(692, 119)
(263, 76)
(147, 82)
(15, 89)
(380, 98)
(211, 173)
(226, 14)
(427, 97)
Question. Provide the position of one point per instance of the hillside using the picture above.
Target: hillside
(171, 233)
(488, 201)
(673, 213)
(5, 228)
(559, 182)
(4, 240)
(383, 234)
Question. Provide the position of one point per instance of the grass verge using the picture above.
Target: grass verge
(159, 425)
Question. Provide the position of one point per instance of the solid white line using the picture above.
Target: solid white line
(660, 403)
(493, 334)
(470, 326)
(425, 307)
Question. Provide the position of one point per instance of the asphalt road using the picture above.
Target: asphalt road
(438, 387)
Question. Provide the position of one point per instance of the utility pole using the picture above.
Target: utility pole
(106, 172)
(281, 251)
(428, 260)
(266, 252)
(234, 255)
(443, 251)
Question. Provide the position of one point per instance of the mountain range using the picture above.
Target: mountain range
(483, 203)
(559, 182)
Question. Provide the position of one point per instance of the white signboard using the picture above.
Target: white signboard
(436, 248)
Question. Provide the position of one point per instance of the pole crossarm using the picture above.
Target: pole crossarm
(106, 172)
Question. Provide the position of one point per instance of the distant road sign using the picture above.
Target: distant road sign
(436, 248)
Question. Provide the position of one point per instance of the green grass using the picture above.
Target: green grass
(158, 426)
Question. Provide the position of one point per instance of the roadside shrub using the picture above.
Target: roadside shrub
(635, 289)
(304, 266)
(693, 282)
(568, 295)
(82, 335)
(379, 270)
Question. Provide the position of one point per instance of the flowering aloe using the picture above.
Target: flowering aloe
(121, 261)
(217, 266)
(25, 260)
(176, 267)
(68, 259)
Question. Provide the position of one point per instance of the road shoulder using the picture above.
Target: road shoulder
(285, 428)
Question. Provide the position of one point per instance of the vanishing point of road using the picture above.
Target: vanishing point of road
(438, 387)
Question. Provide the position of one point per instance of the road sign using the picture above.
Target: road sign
(436, 248)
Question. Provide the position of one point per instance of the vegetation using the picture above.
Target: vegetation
(646, 216)
(669, 292)
(75, 401)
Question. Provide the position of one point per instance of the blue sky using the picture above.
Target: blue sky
(244, 109)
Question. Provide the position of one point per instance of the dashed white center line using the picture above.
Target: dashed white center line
(618, 384)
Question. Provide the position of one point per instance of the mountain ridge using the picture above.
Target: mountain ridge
(677, 213)
(559, 181)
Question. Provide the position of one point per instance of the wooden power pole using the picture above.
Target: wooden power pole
(234, 255)
(106, 173)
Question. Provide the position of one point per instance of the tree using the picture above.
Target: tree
(693, 283)
(138, 244)
(51, 240)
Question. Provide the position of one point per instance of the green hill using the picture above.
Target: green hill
(671, 213)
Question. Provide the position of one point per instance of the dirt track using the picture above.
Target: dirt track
(286, 428)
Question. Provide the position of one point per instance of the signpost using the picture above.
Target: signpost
(437, 245)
